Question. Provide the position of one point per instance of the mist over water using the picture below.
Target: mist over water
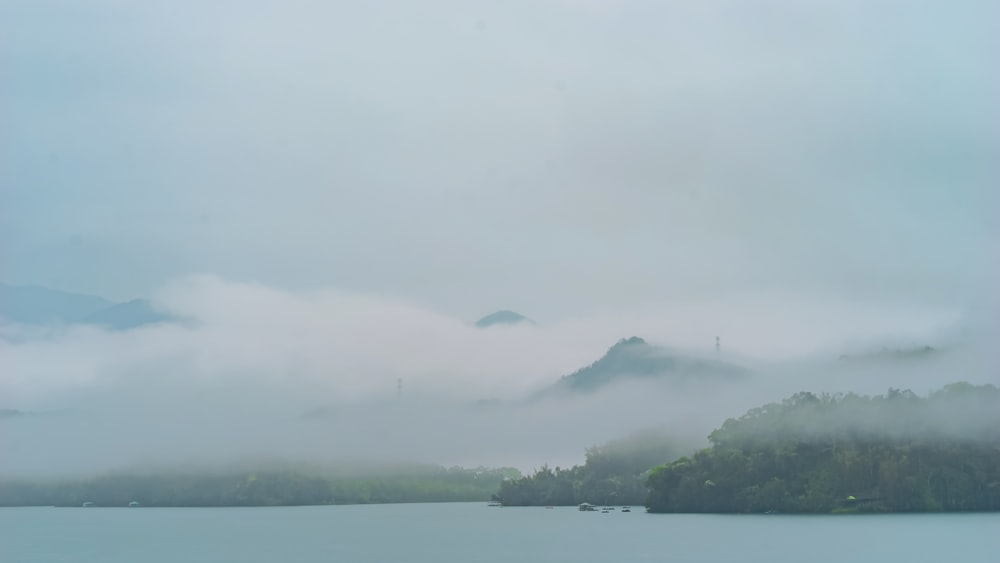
(325, 196)
(257, 375)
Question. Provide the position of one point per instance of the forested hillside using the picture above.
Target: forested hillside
(820, 453)
(270, 487)
(614, 473)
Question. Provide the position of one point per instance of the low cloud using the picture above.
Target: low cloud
(259, 373)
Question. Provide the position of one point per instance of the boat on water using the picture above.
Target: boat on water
(587, 507)
(495, 503)
(626, 509)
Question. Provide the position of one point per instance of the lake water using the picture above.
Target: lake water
(473, 532)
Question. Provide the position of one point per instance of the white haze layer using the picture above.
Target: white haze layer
(256, 373)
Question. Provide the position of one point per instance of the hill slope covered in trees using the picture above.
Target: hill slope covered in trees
(614, 473)
(824, 453)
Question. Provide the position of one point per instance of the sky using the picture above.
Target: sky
(334, 191)
(557, 158)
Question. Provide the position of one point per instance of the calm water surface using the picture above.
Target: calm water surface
(472, 532)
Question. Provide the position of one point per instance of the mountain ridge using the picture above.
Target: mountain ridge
(634, 358)
(503, 317)
(41, 306)
(32, 304)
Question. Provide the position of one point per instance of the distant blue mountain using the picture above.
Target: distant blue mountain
(889, 355)
(502, 318)
(131, 314)
(34, 305)
(42, 306)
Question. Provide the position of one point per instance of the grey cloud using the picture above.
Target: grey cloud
(240, 379)
(362, 181)
(565, 156)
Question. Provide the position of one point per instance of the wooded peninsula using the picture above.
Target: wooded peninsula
(897, 452)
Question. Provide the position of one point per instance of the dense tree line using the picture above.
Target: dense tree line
(821, 453)
(272, 487)
(613, 473)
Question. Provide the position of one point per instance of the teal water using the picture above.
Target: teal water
(473, 532)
